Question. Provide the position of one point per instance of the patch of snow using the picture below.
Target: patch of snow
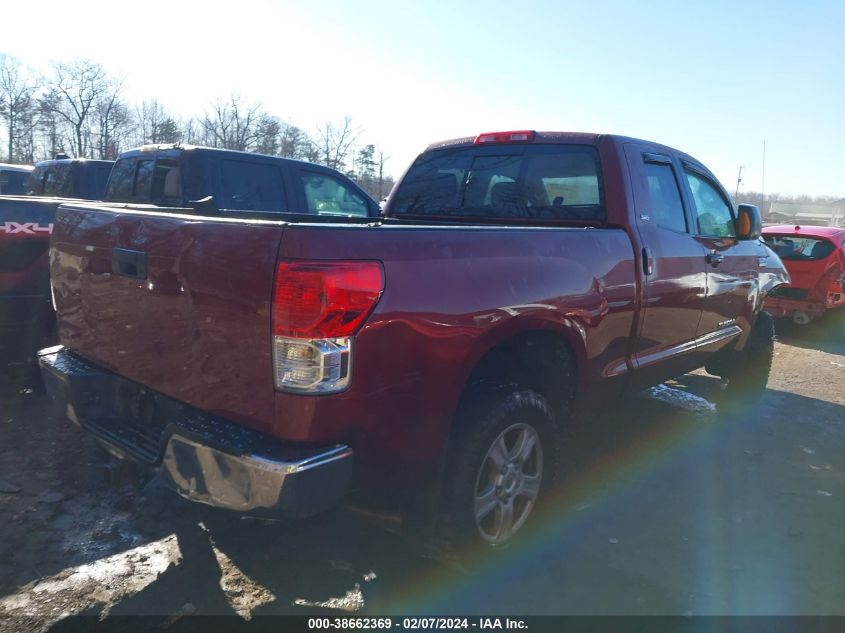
(682, 399)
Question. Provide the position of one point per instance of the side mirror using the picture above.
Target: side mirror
(749, 226)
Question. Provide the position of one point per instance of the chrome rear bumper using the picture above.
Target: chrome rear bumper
(255, 484)
(202, 457)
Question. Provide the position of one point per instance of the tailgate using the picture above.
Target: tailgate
(177, 303)
(25, 226)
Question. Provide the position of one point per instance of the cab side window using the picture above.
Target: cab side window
(327, 195)
(712, 211)
(666, 209)
(251, 186)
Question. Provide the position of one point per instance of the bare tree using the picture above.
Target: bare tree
(381, 160)
(74, 92)
(114, 123)
(232, 124)
(365, 166)
(17, 108)
(334, 140)
(191, 131)
(295, 143)
(79, 110)
(268, 134)
(155, 125)
(50, 126)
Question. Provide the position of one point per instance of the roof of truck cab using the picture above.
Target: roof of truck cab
(173, 148)
(830, 232)
(73, 161)
(581, 138)
(8, 167)
(577, 138)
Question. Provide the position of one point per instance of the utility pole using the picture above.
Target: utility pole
(738, 180)
(763, 183)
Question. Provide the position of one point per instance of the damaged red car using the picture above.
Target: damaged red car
(815, 259)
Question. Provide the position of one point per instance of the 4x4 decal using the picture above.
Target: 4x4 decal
(31, 228)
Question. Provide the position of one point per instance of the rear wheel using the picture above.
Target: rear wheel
(508, 483)
(503, 459)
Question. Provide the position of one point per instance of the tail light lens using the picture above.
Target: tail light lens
(317, 307)
(518, 136)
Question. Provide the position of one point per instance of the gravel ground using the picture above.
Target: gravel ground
(668, 508)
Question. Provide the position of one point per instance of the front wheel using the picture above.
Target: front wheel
(747, 372)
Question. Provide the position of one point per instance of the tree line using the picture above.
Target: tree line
(77, 109)
(764, 201)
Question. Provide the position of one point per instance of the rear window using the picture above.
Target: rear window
(13, 183)
(58, 180)
(145, 180)
(792, 247)
(557, 182)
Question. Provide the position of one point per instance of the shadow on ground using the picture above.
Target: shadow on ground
(826, 333)
(665, 508)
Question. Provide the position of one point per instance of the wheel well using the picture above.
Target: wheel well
(538, 360)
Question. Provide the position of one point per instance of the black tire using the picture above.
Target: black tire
(747, 372)
(487, 418)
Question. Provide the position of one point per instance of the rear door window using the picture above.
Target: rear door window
(548, 181)
(666, 208)
(251, 186)
(327, 195)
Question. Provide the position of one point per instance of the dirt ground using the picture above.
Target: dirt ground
(667, 508)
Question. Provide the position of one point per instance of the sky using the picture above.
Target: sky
(715, 79)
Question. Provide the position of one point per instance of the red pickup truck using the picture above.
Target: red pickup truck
(271, 363)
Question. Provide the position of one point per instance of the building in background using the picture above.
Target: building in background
(806, 213)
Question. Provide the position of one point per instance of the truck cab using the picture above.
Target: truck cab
(66, 177)
(13, 179)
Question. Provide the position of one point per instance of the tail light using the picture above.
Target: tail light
(519, 136)
(317, 307)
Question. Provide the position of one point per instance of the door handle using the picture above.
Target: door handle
(129, 263)
(648, 261)
(714, 258)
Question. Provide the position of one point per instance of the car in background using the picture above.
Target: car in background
(13, 179)
(66, 177)
(815, 259)
(153, 175)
